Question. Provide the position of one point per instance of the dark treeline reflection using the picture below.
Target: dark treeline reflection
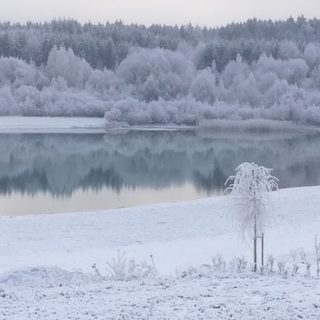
(60, 164)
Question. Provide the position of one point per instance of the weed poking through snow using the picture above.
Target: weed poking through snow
(121, 270)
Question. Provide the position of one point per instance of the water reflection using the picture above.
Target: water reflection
(63, 165)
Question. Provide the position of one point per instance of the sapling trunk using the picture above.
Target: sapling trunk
(317, 245)
(254, 229)
(262, 249)
(255, 248)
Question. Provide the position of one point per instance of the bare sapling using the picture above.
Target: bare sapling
(219, 263)
(239, 263)
(295, 267)
(305, 261)
(270, 263)
(281, 266)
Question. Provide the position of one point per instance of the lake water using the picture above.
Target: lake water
(55, 173)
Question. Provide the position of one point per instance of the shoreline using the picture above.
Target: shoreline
(24, 124)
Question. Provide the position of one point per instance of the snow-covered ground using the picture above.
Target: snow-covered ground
(46, 263)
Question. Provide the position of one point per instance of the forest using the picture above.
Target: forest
(183, 75)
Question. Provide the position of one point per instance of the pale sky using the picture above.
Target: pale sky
(210, 13)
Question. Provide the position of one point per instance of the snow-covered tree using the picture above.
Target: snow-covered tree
(64, 63)
(312, 54)
(203, 86)
(157, 72)
(249, 191)
(288, 50)
(233, 70)
(17, 73)
(8, 106)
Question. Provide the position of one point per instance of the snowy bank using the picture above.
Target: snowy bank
(179, 236)
(51, 124)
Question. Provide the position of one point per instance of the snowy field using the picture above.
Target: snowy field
(46, 263)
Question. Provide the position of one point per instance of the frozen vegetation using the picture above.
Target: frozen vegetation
(133, 75)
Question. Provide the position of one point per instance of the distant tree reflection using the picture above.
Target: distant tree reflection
(211, 182)
(60, 164)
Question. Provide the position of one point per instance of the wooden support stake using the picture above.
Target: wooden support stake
(262, 249)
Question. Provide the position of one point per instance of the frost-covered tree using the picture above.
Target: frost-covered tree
(157, 72)
(247, 91)
(64, 63)
(17, 73)
(312, 55)
(234, 72)
(249, 191)
(8, 105)
(315, 76)
(203, 86)
(109, 55)
(288, 50)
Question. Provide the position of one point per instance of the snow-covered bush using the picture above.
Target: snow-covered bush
(239, 263)
(55, 103)
(16, 72)
(219, 263)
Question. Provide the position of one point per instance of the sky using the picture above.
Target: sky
(210, 13)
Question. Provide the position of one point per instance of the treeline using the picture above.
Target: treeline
(105, 46)
(162, 74)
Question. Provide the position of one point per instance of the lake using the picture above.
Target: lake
(56, 173)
